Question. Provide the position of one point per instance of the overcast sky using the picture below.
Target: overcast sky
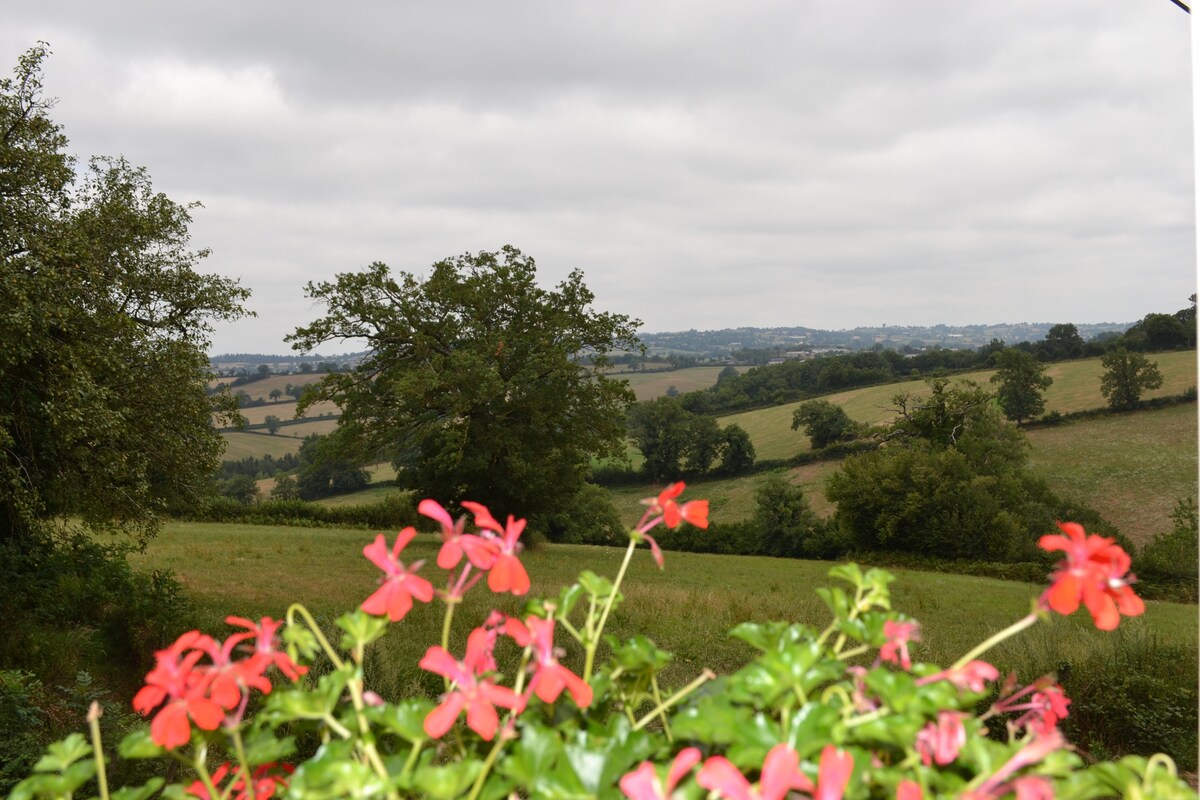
(706, 164)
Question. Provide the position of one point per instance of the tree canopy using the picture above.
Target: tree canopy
(473, 386)
(1126, 376)
(1022, 380)
(103, 413)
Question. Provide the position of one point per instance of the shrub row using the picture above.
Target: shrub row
(393, 512)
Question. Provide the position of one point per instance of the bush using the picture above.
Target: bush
(589, 519)
(394, 511)
(1139, 697)
(1167, 566)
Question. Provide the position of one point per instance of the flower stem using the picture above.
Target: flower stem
(93, 718)
(295, 608)
(240, 749)
(661, 708)
(594, 642)
(995, 639)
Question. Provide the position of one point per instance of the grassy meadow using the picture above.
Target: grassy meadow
(687, 609)
(649, 385)
(1130, 467)
(261, 390)
(1076, 387)
(245, 444)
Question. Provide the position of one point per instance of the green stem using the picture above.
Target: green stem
(704, 677)
(450, 604)
(93, 718)
(295, 608)
(487, 764)
(412, 758)
(338, 728)
(870, 716)
(995, 639)
(594, 642)
(240, 749)
(663, 713)
(198, 759)
(852, 652)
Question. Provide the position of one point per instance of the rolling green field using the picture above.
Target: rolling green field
(649, 385)
(239, 445)
(261, 390)
(688, 609)
(1076, 387)
(257, 415)
(1132, 468)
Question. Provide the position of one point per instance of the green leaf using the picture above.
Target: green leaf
(767, 636)
(809, 727)
(143, 792)
(595, 585)
(533, 754)
(361, 628)
(406, 719)
(849, 573)
(62, 754)
(638, 654)
(567, 598)
(448, 781)
(334, 772)
(297, 703)
(264, 747)
(138, 744)
(300, 642)
(835, 598)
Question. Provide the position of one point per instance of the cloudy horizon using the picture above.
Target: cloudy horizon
(707, 165)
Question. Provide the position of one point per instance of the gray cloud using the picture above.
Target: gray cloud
(706, 164)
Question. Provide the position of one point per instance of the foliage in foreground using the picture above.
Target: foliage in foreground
(839, 712)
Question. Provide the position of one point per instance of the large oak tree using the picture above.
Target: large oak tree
(103, 325)
(473, 387)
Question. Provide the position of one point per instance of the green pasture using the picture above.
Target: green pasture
(1132, 468)
(239, 445)
(687, 609)
(649, 385)
(257, 415)
(261, 390)
(1076, 387)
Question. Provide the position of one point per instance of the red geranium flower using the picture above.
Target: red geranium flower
(400, 584)
(265, 647)
(780, 774)
(695, 511)
(644, 784)
(1093, 572)
(940, 742)
(470, 688)
(549, 677)
(455, 542)
(176, 680)
(899, 634)
(507, 573)
(266, 778)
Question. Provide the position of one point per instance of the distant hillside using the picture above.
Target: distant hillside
(710, 344)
